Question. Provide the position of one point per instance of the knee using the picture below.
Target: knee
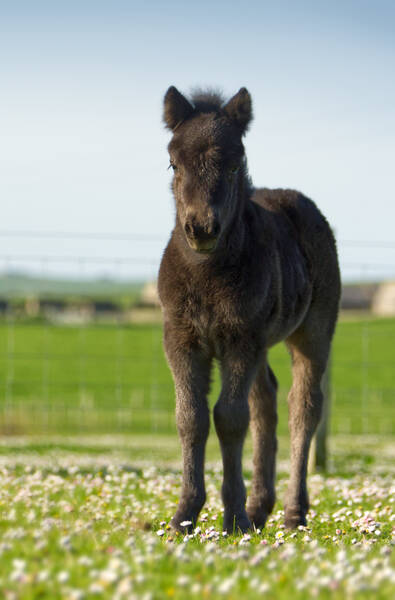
(305, 409)
(193, 425)
(231, 420)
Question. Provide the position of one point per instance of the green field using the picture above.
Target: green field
(80, 520)
(115, 379)
(89, 476)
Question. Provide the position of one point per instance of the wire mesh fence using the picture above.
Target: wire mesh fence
(79, 354)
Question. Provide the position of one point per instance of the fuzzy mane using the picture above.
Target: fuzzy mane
(207, 100)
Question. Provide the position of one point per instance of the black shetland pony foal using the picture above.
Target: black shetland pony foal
(244, 269)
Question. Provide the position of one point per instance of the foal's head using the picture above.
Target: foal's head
(207, 156)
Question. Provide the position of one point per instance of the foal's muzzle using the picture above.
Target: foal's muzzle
(202, 239)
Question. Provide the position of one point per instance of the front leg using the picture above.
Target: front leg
(231, 416)
(191, 373)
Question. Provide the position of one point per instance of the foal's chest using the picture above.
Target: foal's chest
(217, 312)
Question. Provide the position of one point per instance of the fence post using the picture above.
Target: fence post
(318, 450)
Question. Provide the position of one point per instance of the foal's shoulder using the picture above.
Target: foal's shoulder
(279, 199)
(290, 203)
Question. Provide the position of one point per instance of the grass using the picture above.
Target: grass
(115, 378)
(79, 519)
(86, 516)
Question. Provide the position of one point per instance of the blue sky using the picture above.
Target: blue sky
(83, 148)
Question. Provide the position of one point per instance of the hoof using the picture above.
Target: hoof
(236, 524)
(257, 516)
(182, 524)
(294, 518)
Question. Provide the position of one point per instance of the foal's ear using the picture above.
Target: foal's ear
(176, 108)
(239, 109)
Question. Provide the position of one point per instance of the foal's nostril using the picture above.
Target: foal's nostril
(216, 229)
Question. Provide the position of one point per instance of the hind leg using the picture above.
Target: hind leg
(263, 422)
(309, 357)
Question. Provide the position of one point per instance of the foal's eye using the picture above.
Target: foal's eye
(233, 169)
(172, 166)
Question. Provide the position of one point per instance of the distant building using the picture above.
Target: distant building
(32, 306)
(358, 296)
(384, 299)
(149, 295)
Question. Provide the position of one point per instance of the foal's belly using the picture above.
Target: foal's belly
(291, 294)
(281, 328)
